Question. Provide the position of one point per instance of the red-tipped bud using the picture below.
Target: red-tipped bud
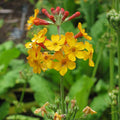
(62, 11)
(78, 35)
(57, 10)
(65, 15)
(42, 45)
(39, 21)
(74, 15)
(53, 11)
(52, 18)
(77, 14)
(46, 12)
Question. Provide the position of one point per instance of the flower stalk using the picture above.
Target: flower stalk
(118, 33)
(62, 95)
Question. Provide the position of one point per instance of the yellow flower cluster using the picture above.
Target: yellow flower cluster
(60, 52)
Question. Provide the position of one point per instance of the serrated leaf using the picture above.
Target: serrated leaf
(42, 89)
(4, 109)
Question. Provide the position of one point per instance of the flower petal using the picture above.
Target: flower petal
(63, 70)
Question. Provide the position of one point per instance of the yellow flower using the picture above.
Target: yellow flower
(87, 110)
(89, 53)
(35, 59)
(63, 63)
(57, 116)
(47, 59)
(82, 32)
(39, 38)
(73, 49)
(56, 42)
(42, 109)
(31, 19)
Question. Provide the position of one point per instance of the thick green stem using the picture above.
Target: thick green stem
(112, 85)
(98, 60)
(111, 69)
(119, 72)
(62, 95)
(61, 85)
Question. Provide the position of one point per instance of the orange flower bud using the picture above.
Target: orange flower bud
(39, 21)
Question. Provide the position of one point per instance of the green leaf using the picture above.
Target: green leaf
(99, 28)
(68, 27)
(32, 1)
(42, 89)
(69, 5)
(7, 55)
(1, 22)
(22, 48)
(4, 110)
(6, 46)
(8, 80)
(81, 90)
(21, 117)
(101, 86)
(99, 104)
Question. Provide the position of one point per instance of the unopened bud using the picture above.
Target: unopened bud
(52, 18)
(46, 13)
(57, 10)
(67, 99)
(65, 15)
(62, 11)
(39, 21)
(74, 16)
(73, 102)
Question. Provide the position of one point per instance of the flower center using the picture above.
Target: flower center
(46, 57)
(73, 49)
(63, 62)
(55, 44)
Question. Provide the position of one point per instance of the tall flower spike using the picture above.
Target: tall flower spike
(82, 33)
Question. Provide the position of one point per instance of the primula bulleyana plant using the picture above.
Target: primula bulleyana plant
(59, 52)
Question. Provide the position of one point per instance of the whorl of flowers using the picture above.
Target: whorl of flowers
(114, 19)
(59, 52)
